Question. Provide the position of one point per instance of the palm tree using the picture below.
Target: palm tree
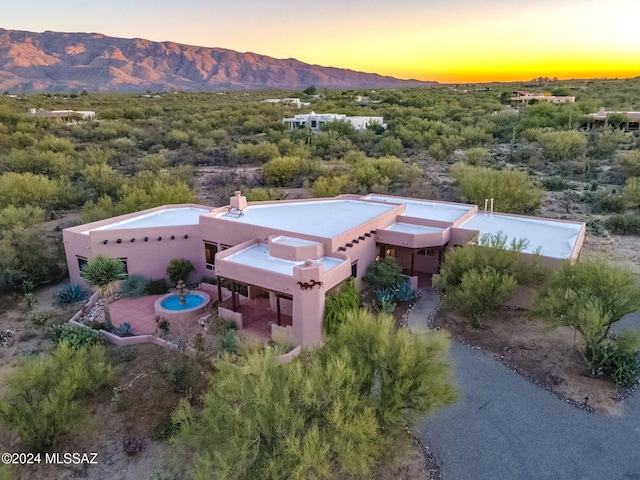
(102, 272)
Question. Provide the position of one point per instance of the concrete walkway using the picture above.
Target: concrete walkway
(504, 427)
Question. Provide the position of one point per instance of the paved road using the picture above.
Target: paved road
(504, 427)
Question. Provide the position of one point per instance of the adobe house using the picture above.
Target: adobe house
(292, 252)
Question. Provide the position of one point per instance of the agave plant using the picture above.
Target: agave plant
(403, 291)
(70, 293)
(125, 329)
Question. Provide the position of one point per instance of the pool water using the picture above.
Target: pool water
(173, 302)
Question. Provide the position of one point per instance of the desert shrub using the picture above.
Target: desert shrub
(132, 445)
(123, 354)
(180, 269)
(621, 359)
(562, 145)
(512, 190)
(606, 202)
(27, 216)
(40, 317)
(385, 273)
(70, 293)
(589, 296)
(624, 224)
(177, 369)
(480, 292)
(229, 341)
(281, 171)
(477, 278)
(134, 286)
(74, 337)
(630, 163)
(491, 251)
(339, 301)
(555, 184)
(156, 287)
(338, 409)
(477, 156)
(45, 393)
(219, 325)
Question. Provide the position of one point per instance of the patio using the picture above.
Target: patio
(140, 313)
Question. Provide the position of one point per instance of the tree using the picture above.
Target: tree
(329, 413)
(45, 393)
(180, 269)
(562, 145)
(590, 296)
(310, 90)
(512, 190)
(102, 272)
(477, 278)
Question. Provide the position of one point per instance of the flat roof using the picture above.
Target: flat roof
(445, 212)
(410, 228)
(320, 218)
(293, 242)
(555, 239)
(168, 217)
(257, 256)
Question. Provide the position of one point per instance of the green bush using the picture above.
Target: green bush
(624, 224)
(229, 341)
(480, 292)
(621, 359)
(45, 394)
(134, 286)
(339, 302)
(512, 190)
(590, 296)
(156, 287)
(75, 337)
(555, 184)
(70, 293)
(40, 317)
(180, 269)
(328, 414)
(385, 273)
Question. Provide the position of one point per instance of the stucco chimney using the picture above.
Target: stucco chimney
(238, 201)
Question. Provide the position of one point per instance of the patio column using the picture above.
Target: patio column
(308, 303)
(233, 295)
(219, 284)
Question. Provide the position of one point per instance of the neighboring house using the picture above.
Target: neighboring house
(523, 98)
(295, 251)
(287, 101)
(65, 115)
(315, 121)
(599, 120)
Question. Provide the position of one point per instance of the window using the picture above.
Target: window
(81, 263)
(314, 123)
(124, 264)
(354, 269)
(210, 251)
(427, 252)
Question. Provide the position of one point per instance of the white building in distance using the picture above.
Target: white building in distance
(315, 121)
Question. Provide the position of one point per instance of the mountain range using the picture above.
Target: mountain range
(67, 62)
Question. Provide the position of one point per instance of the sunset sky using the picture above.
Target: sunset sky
(449, 41)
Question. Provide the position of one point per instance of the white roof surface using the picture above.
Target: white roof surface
(320, 218)
(444, 212)
(555, 239)
(293, 242)
(257, 256)
(168, 217)
(410, 228)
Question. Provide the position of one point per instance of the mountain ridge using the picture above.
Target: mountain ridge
(63, 62)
